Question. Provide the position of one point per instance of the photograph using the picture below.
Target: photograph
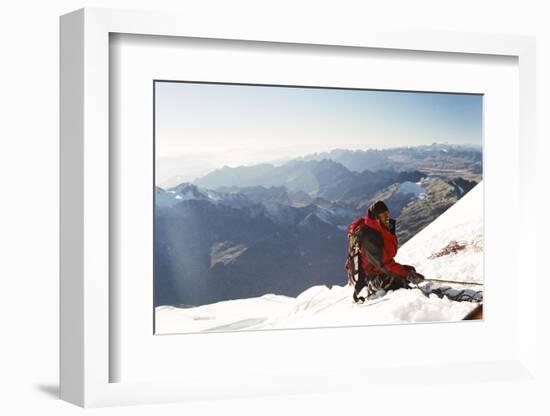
(280, 207)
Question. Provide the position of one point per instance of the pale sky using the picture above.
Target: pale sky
(207, 126)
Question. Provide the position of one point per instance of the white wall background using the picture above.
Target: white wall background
(29, 208)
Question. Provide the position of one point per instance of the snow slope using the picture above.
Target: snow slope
(450, 248)
(432, 251)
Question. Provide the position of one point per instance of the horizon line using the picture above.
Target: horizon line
(284, 161)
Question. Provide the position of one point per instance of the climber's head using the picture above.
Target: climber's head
(379, 211)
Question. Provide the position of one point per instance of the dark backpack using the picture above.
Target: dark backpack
(354, 265)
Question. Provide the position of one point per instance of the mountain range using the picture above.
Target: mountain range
(324, 305)
(245, 231)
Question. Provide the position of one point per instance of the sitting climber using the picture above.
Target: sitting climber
(372, 248)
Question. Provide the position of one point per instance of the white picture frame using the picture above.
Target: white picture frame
(86, 306)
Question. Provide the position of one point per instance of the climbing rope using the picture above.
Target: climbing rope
(457, 295)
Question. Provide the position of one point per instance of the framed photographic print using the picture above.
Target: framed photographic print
(231, 196)
(263, 192)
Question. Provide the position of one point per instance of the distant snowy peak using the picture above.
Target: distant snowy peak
(187, 192)
(443, 147)
(262, 201)
(179, 193)
(446, 147)
(164, 198)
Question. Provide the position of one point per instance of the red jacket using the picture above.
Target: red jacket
(381, 244)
